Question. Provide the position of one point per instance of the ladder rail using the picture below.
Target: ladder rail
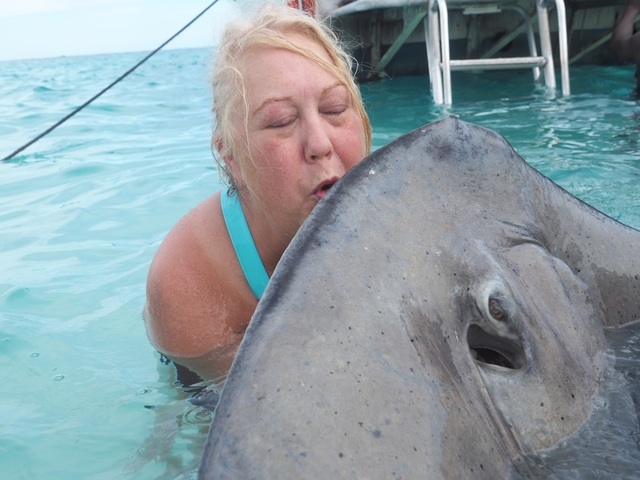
(436, 27)
(545, 43)
(498, 63)
(432, 37)
(563, 45)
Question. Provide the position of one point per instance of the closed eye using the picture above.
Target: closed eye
(334, 110)
(283, 122)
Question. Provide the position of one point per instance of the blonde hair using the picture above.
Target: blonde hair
(267, 28)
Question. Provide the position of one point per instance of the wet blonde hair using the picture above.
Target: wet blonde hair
(267, 28)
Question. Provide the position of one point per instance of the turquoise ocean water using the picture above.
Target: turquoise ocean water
(83, 211)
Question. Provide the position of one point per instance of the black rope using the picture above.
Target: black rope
(67, 117)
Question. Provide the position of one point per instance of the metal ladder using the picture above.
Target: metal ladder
(437, 42)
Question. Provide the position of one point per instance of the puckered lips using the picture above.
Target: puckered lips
(323, 188)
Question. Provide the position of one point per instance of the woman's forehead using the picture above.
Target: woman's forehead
(303, 42)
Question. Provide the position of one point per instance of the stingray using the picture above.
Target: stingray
(440, 314)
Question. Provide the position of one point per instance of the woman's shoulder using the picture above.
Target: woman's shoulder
(194, 244)
(193, 284)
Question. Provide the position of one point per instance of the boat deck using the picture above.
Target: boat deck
(373, 27)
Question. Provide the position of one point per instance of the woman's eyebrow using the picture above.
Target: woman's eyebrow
(334, 86)
(272, 100)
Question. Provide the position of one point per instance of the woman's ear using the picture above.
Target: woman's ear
(233, 169)
(230, 164)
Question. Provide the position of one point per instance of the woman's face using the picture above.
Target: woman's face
(303, 134)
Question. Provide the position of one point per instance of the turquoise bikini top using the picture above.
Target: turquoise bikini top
(243, 243)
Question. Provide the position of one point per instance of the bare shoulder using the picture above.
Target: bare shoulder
(198, 304)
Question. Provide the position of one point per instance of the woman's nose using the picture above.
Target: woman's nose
(317, 142)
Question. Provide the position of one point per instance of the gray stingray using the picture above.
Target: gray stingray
(440, 314)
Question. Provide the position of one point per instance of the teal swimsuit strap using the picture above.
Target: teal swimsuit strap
(243, 243)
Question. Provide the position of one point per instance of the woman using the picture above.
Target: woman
(289, 123)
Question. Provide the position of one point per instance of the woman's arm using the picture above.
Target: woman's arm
(624, 41)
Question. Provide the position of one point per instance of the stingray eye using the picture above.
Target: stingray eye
(496, 310)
